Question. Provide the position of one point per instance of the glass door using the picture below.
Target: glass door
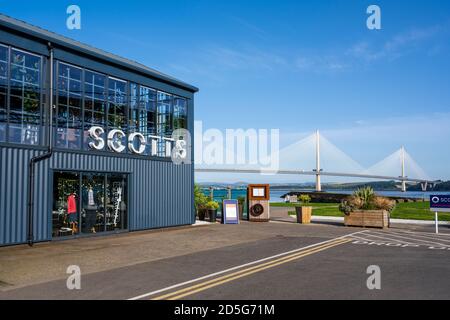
(89, 203)
(93, 207)
(66, 213)
(116, 202)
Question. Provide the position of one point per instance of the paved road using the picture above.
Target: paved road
(414, 265)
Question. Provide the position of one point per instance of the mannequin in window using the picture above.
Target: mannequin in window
(90, 208)
(72, 212)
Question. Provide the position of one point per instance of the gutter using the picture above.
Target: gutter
(39, 158)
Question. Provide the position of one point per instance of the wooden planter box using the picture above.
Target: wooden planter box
(303, 214)
(367, 218)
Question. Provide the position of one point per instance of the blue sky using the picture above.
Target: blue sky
(292, 65)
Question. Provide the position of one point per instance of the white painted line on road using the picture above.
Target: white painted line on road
(386, 238)
(413, 239)
(240, 266)
(422, 236)
(419, 234)
(383, 238)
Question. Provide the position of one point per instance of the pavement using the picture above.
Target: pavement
(273, 260)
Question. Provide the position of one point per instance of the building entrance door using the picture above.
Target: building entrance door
(66, 196)
(88, 203)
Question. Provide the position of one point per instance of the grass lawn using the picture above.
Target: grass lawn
(407, 210)
(417, 211)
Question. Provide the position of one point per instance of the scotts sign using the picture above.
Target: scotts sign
(440, 203)
(176, 147)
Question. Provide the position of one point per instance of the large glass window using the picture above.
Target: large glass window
(179, 113)
(25, 96)
(164, 120)
(143, 112)
(94, 103)
(117, 107)
(69, 116)
(89, 203)
(4, 59)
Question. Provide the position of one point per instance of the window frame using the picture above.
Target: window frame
(7, 95)
(41, 78)
(57, 102)
(105, 102)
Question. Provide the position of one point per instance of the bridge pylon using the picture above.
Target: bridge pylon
(403, 176)
(318, 183)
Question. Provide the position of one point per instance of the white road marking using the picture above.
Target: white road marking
(413, 239)
(240, 266)
(420, 232)
(416, 234)
(384, 238)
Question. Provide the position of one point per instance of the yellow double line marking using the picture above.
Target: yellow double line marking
(248, 271)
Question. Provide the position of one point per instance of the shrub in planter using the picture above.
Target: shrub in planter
(304, 211)
(200, 201)
(212, 207)
(364, 208)
(201, 213)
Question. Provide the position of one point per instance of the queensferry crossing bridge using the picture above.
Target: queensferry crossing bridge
(318, 172)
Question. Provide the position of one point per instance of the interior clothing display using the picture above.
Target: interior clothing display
(91, 201)
(117, 209)
(71, 204)
(90, 219)
(87, 203)
(73, 217)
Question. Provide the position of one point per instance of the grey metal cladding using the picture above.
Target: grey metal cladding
(160, 192)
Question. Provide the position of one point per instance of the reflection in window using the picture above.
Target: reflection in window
(117, 106)
(24, 125)
(179, 113)
(143, 113)
(164, 120)
(69, 120)
(94, 103)
(3, 91)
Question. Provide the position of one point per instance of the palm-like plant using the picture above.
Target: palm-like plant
(366, 195)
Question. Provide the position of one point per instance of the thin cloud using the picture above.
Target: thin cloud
(251, 27)
(320, 64)
(397, 46)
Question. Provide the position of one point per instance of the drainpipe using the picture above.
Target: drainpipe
(41, 157)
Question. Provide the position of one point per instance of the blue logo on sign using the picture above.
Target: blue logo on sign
(440, 202)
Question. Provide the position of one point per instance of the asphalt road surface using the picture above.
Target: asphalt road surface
(412, 264)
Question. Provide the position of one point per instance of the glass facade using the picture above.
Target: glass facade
(87, 203)
(68, 102)
(4, 58)
(94, 103)
(23, 113)
(179, 113)
(143, 112)
(83, 99)
(164, 126)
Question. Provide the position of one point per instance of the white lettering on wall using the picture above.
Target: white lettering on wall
(142, 142)
(95, 134)
(115, 140)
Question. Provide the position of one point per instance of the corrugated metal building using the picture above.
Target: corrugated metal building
(114, 125)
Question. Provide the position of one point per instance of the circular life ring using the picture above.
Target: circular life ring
(257, 210)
